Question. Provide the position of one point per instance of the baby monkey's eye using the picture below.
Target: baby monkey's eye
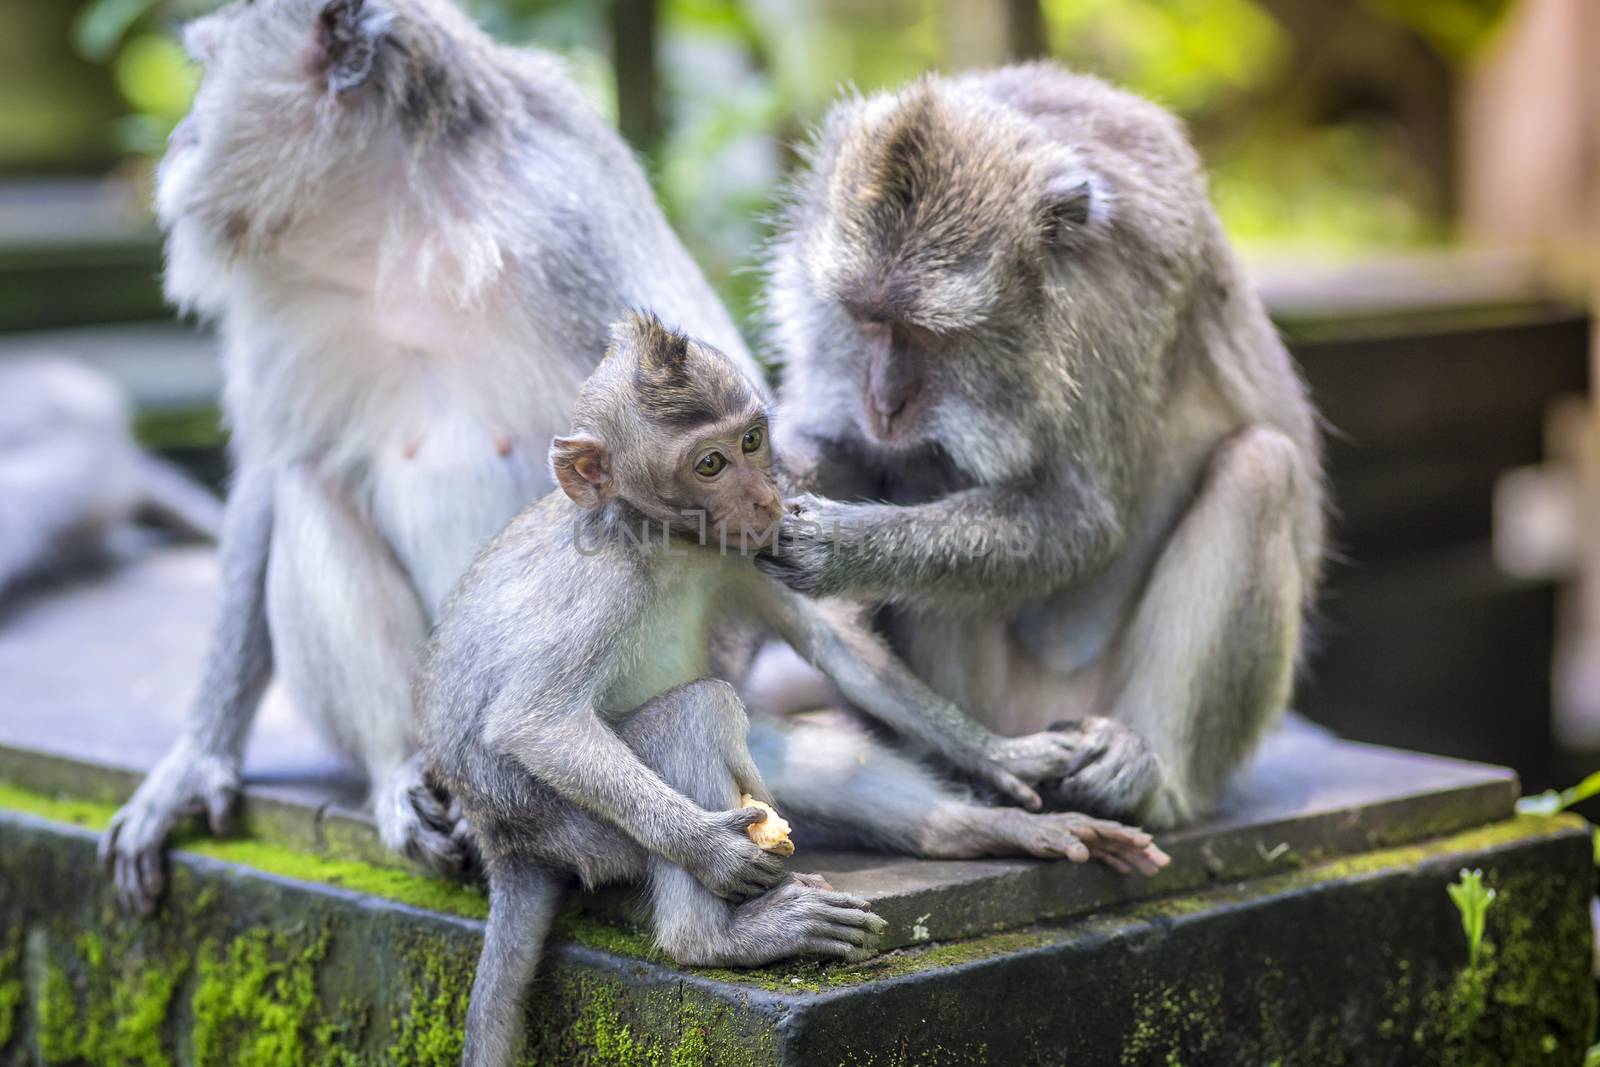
(710, 465)
(752, 440)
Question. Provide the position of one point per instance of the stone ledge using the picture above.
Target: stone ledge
(1358, 960)
(1306, 799)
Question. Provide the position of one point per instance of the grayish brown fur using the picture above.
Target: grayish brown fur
(71, 473)
(570, 705)
(413, 240)
(1004, 304)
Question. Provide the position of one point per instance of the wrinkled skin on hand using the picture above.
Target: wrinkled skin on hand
(1113, 772)
(813, 541)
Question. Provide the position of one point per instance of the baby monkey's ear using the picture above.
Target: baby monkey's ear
(582, 466)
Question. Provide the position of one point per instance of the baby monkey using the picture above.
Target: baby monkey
(569, 702)
(567, 695)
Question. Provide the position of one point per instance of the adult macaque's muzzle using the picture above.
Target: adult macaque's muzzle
(894, 378)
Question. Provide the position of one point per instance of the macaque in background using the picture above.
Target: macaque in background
(1063, 443)
(71, 473)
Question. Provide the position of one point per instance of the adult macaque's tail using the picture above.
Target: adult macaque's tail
(523, 901)
(177, 502)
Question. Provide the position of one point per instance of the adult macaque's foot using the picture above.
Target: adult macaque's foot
(1079, 838)
(132, 850)
(1113, 772)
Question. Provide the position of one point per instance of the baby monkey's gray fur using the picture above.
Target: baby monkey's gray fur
(569, 705)
(1086, 476)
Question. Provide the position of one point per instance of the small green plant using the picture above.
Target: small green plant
(1551, 802)
(1472, 899)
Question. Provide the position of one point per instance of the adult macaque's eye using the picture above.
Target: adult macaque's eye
(711, 464)
(752, 440)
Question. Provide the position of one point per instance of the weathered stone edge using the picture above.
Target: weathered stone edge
(1200, 858)
(987, 903)
(623, 1009)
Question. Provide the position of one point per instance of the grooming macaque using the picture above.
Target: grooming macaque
(1074, 458)
(70, 472)
(570, 708)
(414, 240)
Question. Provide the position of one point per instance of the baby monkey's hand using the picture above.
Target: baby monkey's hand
(728, 862)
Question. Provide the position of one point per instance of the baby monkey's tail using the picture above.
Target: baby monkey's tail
(523, 901)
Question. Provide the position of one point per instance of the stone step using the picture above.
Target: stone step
(1307, 798)
(1306, 923)
(1361, 960)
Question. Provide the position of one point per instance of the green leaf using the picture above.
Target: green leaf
(1550, 802)
(156, 77)
(1546, 803)
(1472, 900)
(101, 25)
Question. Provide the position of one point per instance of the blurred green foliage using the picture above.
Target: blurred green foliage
(743, 80)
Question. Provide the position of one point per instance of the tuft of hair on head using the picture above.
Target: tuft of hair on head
(935, 197)
(349, 34)
(677, 381)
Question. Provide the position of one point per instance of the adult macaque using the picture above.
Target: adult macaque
(413, 240)
(70, 472)
(1087, 476)
(571, 708)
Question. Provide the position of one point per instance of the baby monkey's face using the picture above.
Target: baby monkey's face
(726, 471)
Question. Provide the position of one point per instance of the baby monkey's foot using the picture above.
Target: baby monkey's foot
(1079, 838)
(805, 916)
(420, 821)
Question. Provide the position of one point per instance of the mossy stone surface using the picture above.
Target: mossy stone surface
(1361, 960)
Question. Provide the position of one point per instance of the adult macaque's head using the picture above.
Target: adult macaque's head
(952, 254)
(310, 117)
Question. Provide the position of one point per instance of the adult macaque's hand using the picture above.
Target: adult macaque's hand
(132, 849)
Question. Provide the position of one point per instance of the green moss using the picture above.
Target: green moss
(1521, 995)
(811, 977)
(89, 815)
(109, 1006)
(185, 428)
(12, 989)
(56, 1017)
(606, 1039)
(431, 1031)
(256, 1003)
(1172, 1021)
(607, 936)
(403, 886)
(592, 1020)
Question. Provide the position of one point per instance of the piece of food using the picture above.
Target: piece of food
(771, 833)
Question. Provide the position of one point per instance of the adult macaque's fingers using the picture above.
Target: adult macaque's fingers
(107, 854)
(1016, 789)
(152, 874)
(219, 810)
(1075, 850)
(1114, 861)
